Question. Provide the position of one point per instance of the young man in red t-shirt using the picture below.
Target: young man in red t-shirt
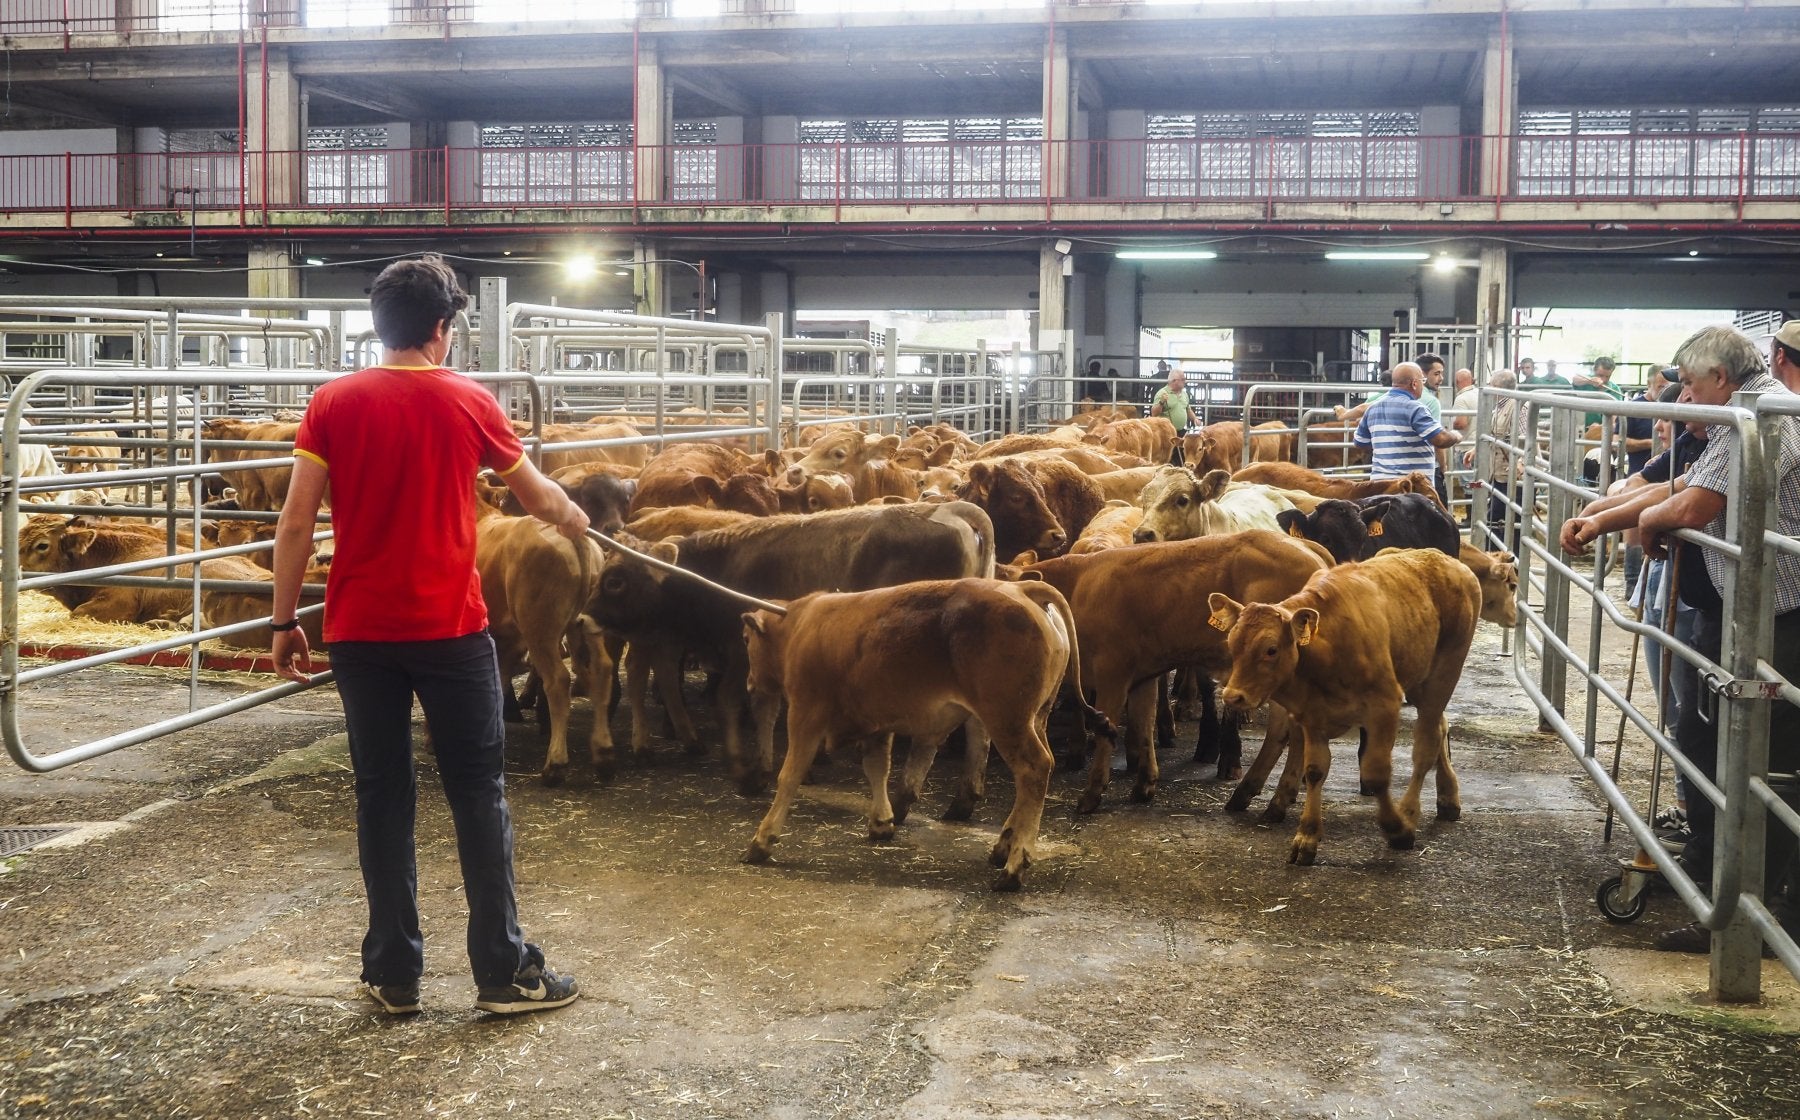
(400, 444)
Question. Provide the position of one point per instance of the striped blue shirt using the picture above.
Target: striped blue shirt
(1395, 429)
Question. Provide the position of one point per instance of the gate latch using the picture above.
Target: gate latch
(1738, 688)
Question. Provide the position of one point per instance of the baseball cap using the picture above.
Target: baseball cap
(1789, 334)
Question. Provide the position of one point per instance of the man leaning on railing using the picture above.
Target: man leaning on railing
(1715, 363)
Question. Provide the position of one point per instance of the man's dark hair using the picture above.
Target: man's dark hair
(1793, 355)
(1426, 360)
(410, 298)
(1605, 363)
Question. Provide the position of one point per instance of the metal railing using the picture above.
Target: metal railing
(1548, 661)
(1272, 171)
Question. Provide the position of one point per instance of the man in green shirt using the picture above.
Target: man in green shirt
(1172, 402)
(1600, 381)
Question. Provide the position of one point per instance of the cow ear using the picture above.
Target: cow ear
(772, 461)
(629, 486)
(1214, 484)
(1029, 556)
(78, 537)
(1225, 611)
(753, 622)
(942, 455)
(1305, 625)
(708, 488)
(1292, 521)
(980, 473)
(910, 458)
(1372, 519)
(666, 551)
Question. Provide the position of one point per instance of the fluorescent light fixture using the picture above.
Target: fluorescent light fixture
(1165, 254)
(581, 267)
(1445, 264)
(314, 260)
(1375, 255)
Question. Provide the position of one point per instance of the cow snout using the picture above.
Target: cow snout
(1143, 535)
(1234, 699)
(1052, 539)
(795, 475)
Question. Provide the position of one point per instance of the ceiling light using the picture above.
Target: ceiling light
(1375, 255)
(1444, 264)
(506, 252)
(315, 260)
(1693, 252)
(582, 267)
(1165, 254)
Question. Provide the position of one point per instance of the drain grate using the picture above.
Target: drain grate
(15, 840)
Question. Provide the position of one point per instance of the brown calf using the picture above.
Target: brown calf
(918, 660)
(1346, 651)
(1291, 476)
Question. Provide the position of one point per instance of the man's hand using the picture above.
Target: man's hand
(293, 658)
(573, 524)
(1654, 542)
(1577, 533)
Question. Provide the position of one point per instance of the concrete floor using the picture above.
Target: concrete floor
(1163, 959)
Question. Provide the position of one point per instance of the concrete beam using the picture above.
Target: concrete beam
(57, 107)
(720, 92)
(390, 102)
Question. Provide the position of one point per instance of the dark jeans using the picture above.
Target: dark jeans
(1498, 495)
(458, 684)
(1698, 738)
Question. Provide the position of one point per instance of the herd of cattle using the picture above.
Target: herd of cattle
(931, 584)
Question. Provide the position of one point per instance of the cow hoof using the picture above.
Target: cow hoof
(694, 747)
(756, 854)
(959, 810)
(881, 832)
(1401, 841)
(1274, 814)
(1206, 754)
(553, 775)
(605, 772)
(1449, 812)
(1303, 853)
(1143, 792)
(1368, 788)
(753, 784)
(1165, 742)
(902, 808)
(1230, 774)
(1238, 801)
(1008, 881)
(1090, 801)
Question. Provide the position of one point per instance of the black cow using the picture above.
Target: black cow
(1335, 525)
(602, 497)
(1406, 521)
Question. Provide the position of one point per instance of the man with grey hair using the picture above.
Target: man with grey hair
(1715, 363)
(1400, 432)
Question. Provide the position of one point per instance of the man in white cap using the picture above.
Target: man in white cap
(1784, 355)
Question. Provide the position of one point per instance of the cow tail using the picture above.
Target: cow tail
(1047, 596)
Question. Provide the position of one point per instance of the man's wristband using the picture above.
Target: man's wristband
(283, 627)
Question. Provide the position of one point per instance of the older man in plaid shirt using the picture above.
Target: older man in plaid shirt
(1717, 362)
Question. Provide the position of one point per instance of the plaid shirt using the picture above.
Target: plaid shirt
(1714, 470)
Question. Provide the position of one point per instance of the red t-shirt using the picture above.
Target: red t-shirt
(401, 447)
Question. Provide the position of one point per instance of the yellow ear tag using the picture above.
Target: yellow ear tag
(1306, 641)
(1219, 624)
(1294, 531)
(1375, 529)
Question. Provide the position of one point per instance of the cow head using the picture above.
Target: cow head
(604, 499)
(818, 494)
(1202, 453)
(764, 634)
(1014, 499)
(1499, 589)
(1418, 482)
(750, 493)
(50, 542)
(1172, 502)
(1335, 525)
(1264, 640)
(842, 453)
(630, 597)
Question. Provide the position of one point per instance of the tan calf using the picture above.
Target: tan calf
(1111, 528)
(1346, 651)
(1290, 476)
(919, 660)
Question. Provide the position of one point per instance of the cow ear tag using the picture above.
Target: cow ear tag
(1219, 624)
(1304, 641)
(1294, 531)
(1375, 530)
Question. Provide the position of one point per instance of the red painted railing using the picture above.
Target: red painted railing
(1274, 172)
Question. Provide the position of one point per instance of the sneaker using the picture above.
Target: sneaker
(395, 999)
(533, 988)
(1672, 819)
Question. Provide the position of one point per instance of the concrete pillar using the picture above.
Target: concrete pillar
(1124, 165)
(653, 127)
(1499, 114)
(780, 159)
(1122, 316)
(1059, 115)
(464, 139)
(273, 274)
(729, 170)
(272, 131)
(1053, 298)
(1494, 310)
(649, 285)
(1440, 151)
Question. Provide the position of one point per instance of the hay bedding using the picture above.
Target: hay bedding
(46, 622)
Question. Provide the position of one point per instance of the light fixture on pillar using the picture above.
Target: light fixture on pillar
(1445, 263)
(580, 267)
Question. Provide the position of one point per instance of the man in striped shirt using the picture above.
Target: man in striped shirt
(1400, 432)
